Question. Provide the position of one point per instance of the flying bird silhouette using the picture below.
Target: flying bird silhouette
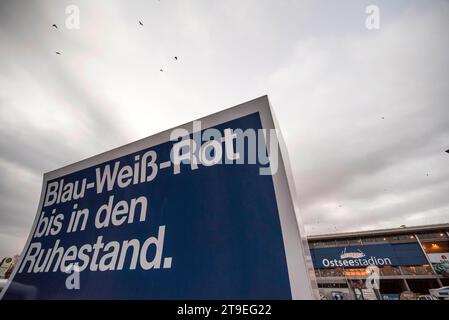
(57, 52)
(55, 26)
(447, 150)
(140, 22)
(176, 58)
(161, 70)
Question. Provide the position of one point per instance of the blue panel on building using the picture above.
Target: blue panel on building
(361, 256)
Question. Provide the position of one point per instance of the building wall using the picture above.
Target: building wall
(409, 259)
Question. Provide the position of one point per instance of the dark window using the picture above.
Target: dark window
(332, 285)
(417, 270)
(374, 240)
(402, 238)
(434, 235)
(390, 271)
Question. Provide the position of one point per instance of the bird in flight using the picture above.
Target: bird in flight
(55, 26)
(176, 58)
(161, 70)
(140, 22)
(57, 52)
(447, 150)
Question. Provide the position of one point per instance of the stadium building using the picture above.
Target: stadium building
(410, 259)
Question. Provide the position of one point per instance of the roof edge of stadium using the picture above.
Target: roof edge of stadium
(367, 233)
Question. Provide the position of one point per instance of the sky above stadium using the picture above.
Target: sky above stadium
(364, 112)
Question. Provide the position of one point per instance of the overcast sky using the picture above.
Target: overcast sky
(364, 113)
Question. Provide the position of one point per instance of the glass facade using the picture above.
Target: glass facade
(332, 285)
(423, 270)
(417, 270)
(409, 237)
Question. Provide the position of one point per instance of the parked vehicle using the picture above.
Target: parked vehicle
(440, 293)
(426, 297)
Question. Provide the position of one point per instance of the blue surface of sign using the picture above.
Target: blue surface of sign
(209, 233)
(362, 256)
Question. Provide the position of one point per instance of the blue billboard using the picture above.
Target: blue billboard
(359, 256)
(174, 216)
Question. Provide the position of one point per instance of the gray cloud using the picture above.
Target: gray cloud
(371, 122)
